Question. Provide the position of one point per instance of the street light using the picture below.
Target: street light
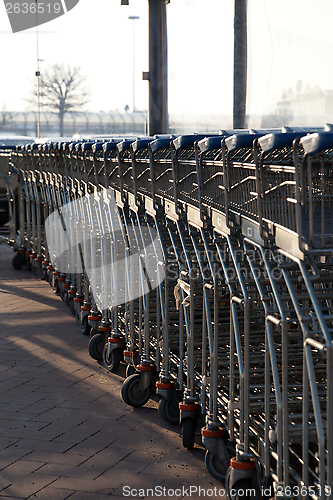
(133, 18)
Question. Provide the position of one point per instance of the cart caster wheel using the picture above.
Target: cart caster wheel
(215, 468)
(40, 272)
(189, 426)
(111, 360)
(67, 300)
(130, 370)
(93, 332)
(71, 306)
(131, 394)
(238, 489)
(84, 326)
(95, 347)
(168, 412)
(17, 262)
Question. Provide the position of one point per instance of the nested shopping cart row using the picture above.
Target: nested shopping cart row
(204, 262)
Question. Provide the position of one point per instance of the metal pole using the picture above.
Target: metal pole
(158, 121)
(38, 76)
(133, 18)
(240, 63)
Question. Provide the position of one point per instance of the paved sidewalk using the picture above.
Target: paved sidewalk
(64, 429)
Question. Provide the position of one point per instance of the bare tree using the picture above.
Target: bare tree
(62, 90)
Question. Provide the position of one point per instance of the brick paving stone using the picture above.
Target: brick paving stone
(10, 455)
(64, 430)
(21, 467)
(50, 493)
(9, 498)
(65, 459)
(38, 444)
(78, 471)
(93, 496)
(28, 485)
(106, 456)
(6, 442)
(81, 484)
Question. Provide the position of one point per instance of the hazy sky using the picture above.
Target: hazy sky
(288, 40)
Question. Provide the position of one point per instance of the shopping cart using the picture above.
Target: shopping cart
(7, 205)
(210, 257)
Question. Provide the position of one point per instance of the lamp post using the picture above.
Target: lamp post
(133, 18)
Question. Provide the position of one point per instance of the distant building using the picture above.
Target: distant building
(312, 107)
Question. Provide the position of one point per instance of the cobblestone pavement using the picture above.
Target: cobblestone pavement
(64, 430)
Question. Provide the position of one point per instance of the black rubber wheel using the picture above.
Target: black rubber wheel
(40, 270)
(33, 267)
(17, 262)
(95, 347)
(78, 318)
(67, 300)
(131, 394)
(71, 306)
(111, 360)
(189, 426)
(168, 412)
(239, 488)
(84, 326)
(215, 468)
(56, 288)
(130, 370)
(93, 332)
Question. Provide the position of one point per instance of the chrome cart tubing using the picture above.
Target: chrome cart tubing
(180, 231)
(312, 295)
(318, 415)
(212, 350)
(10, 198)
(212, 334)
(278, 397)
(262, 294)
(146, 275)
(303, 319)
(146, 250)
(311, 342)
(282, 412)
